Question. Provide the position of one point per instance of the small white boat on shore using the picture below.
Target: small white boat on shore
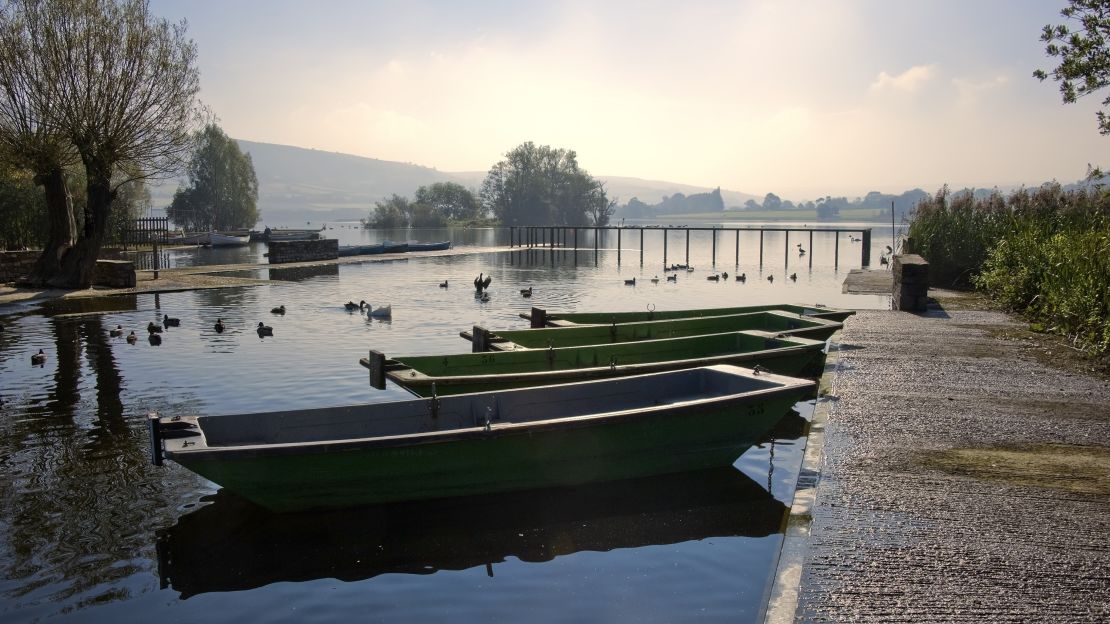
(217, 239)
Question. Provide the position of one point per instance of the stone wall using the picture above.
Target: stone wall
(911, 282)
(303, 251)
(114, 273)
(15, 265)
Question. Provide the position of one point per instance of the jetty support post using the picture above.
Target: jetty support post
(377, 369)
(738, 247)
(479, 339)
(786, 251)
(687, 247)
(665, 247)
(761, 248)
(597, 235)
(641, 246)
(619, 246)
(154, 424)
(810, 249)
(539, 318)
(836, 250)
(713, 259)
(865, 253)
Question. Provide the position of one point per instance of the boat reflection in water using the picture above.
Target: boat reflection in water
(232, 545)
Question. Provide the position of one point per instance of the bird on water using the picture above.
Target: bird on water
(526, 292)
(219, 326)
(771, 278)
(153, 329)
(672, 278)
(351, 306)
(444, 284)
(154, 339)
(117, 332)
(382, 312)
(482, 284)
(264, 330)
(630, 282)
(132, 338)
(278, 310)
(170, 322)
(38, 359)
(793, 277)
(743, 277)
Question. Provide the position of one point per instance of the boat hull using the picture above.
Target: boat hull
(777, 322)
(607, 318)
(483, 372)
(507, 456)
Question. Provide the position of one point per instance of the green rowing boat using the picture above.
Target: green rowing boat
(543, 318)
(480, 443)
(777, 322)
(479, 372)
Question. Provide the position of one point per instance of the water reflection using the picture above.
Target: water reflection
(232, 545)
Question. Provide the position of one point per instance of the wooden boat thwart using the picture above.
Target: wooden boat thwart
(778, 322)
(542, 318)
(480, 372)
(481, 443)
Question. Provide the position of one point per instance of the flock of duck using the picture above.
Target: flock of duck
(716, 277)
(155, 330)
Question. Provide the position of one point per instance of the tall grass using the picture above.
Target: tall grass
(1044, 253)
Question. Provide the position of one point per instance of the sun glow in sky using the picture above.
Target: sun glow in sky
(803, 98)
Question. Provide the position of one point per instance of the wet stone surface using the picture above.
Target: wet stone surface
(946, 493)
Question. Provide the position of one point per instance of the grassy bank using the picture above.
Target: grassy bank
(1043, 253)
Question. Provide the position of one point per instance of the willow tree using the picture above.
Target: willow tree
(119, 85)
(541, 185)
(223, 188)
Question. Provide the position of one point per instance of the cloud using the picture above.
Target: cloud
(908, 81)
(970, 90)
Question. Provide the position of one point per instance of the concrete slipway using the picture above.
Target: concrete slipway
(958, 470)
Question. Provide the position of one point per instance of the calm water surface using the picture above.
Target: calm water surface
(91, 532)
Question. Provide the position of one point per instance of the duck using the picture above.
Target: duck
(444, 284)
(153, 329)
(117, 332)
(801, 252)
(743, 277)
(170, 322)
(132, 338)
(713, 278)
(793, 277)
(724, 275)
(672, 278)
(278, 310)
(219, 327)
(38, 359)
(351, 306)
(481, 284)
(630, 282)
(526, 292)
(264, 330)
(689, 269)
(771, 278)
(655, 280)
(154, 339)
(382, 312)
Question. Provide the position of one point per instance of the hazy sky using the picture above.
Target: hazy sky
(796, 97)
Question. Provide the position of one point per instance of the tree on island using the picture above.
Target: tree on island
(100, 82)
(1084, 53)
(541, 185)
(453, 201)
(223, 189)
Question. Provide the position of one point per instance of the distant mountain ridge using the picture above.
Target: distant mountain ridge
(297, 184)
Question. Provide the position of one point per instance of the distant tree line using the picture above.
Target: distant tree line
(674, 204)
(436, 205)
(533, 185)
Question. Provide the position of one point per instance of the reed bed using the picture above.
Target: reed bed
(1044, 253)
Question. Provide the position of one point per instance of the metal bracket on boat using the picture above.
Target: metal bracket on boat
(651, 311)
(613, 331)
(551, 354)
(433, 403)
(759, 368)
(489, 416)
(612, 362)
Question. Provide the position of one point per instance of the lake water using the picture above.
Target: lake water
(90, 531)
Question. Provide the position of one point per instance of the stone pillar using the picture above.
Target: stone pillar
(911, 282)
